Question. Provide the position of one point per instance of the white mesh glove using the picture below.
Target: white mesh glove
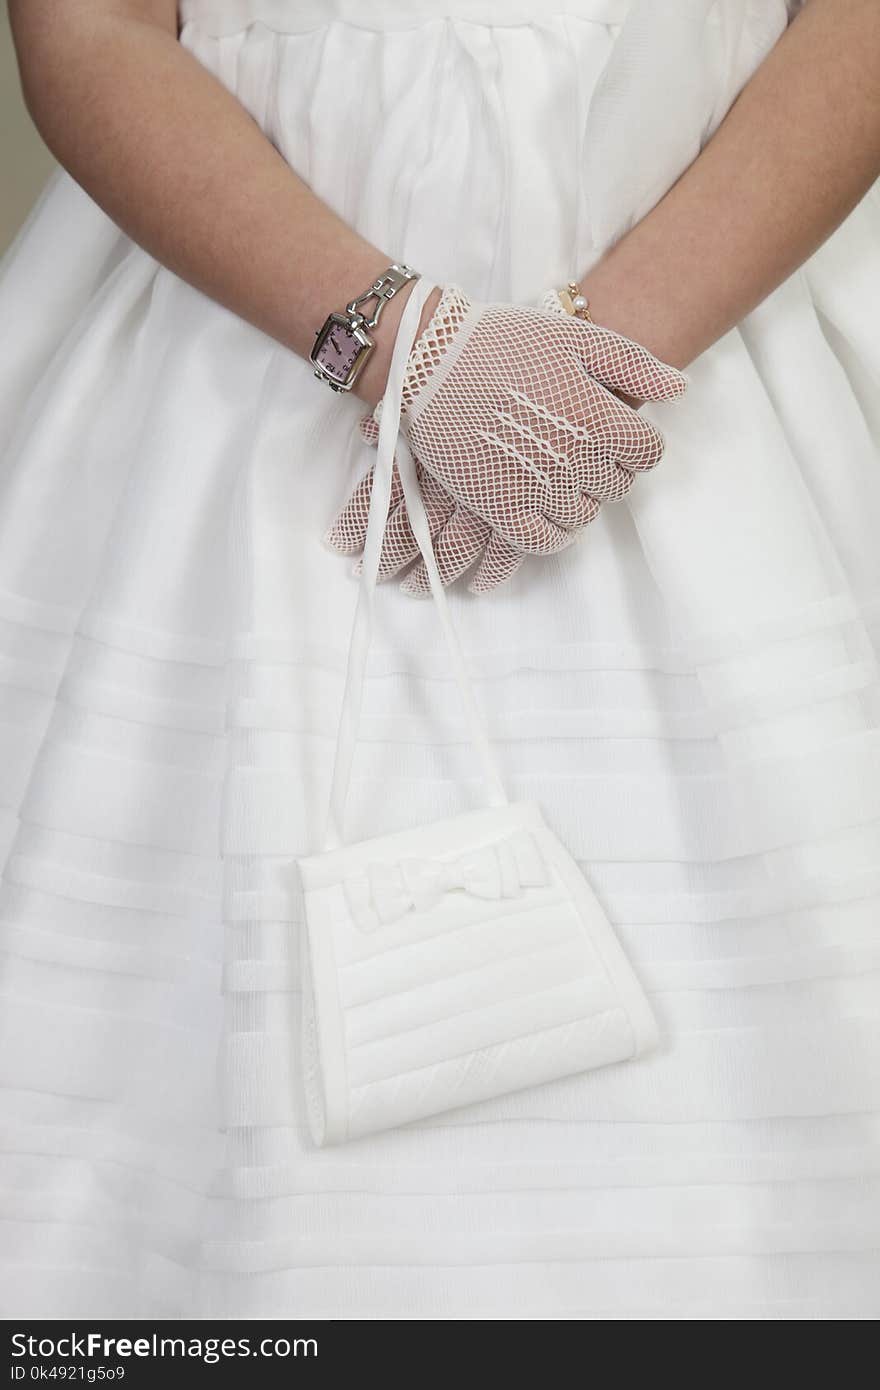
(511, 419)
(459, 537)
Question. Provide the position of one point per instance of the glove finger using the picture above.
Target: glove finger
(622, 365)
(620, 434)
(456, 546)
(499, 562)
(573, 510)
(348, 531)
(604, 479)
(519, 487)
(536, 534)
(399, 544)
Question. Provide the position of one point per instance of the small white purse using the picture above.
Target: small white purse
(457, 961)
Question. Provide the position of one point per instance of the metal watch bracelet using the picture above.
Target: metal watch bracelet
(343, 344)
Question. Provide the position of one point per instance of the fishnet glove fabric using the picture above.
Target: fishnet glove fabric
(512, 411)
(516, 435)
(460, 538)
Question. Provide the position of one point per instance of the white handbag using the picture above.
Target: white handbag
(457, 961)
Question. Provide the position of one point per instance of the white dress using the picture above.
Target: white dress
(690, 694)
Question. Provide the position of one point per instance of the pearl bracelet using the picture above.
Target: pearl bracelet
(575, 303)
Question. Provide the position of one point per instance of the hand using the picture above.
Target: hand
(459, 537)
(512, 412)
(518, 438)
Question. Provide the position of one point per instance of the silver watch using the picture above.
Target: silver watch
(343, 345)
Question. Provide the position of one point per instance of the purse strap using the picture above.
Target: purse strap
(391, 440)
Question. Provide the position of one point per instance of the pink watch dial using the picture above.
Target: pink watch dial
(339, 349)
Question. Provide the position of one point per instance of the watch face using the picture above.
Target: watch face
(338, 349)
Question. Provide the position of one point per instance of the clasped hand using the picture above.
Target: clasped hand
(518, 436)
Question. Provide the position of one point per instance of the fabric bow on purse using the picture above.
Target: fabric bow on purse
(386, 892)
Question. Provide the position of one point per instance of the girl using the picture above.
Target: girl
(689, 688)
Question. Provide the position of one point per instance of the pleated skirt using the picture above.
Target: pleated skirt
(690, 693)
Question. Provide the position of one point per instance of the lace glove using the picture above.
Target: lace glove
(518, 438)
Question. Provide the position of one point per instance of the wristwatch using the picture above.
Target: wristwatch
(343, 344)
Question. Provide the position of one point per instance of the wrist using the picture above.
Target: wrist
(639, 304)
(573, 299)
(370, 385)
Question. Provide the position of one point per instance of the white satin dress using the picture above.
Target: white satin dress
(690, 694)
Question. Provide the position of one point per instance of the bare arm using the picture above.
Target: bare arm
(794, 155)
(191, 177)
(194, 180)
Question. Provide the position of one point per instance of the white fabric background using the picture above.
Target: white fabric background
(691, 695)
